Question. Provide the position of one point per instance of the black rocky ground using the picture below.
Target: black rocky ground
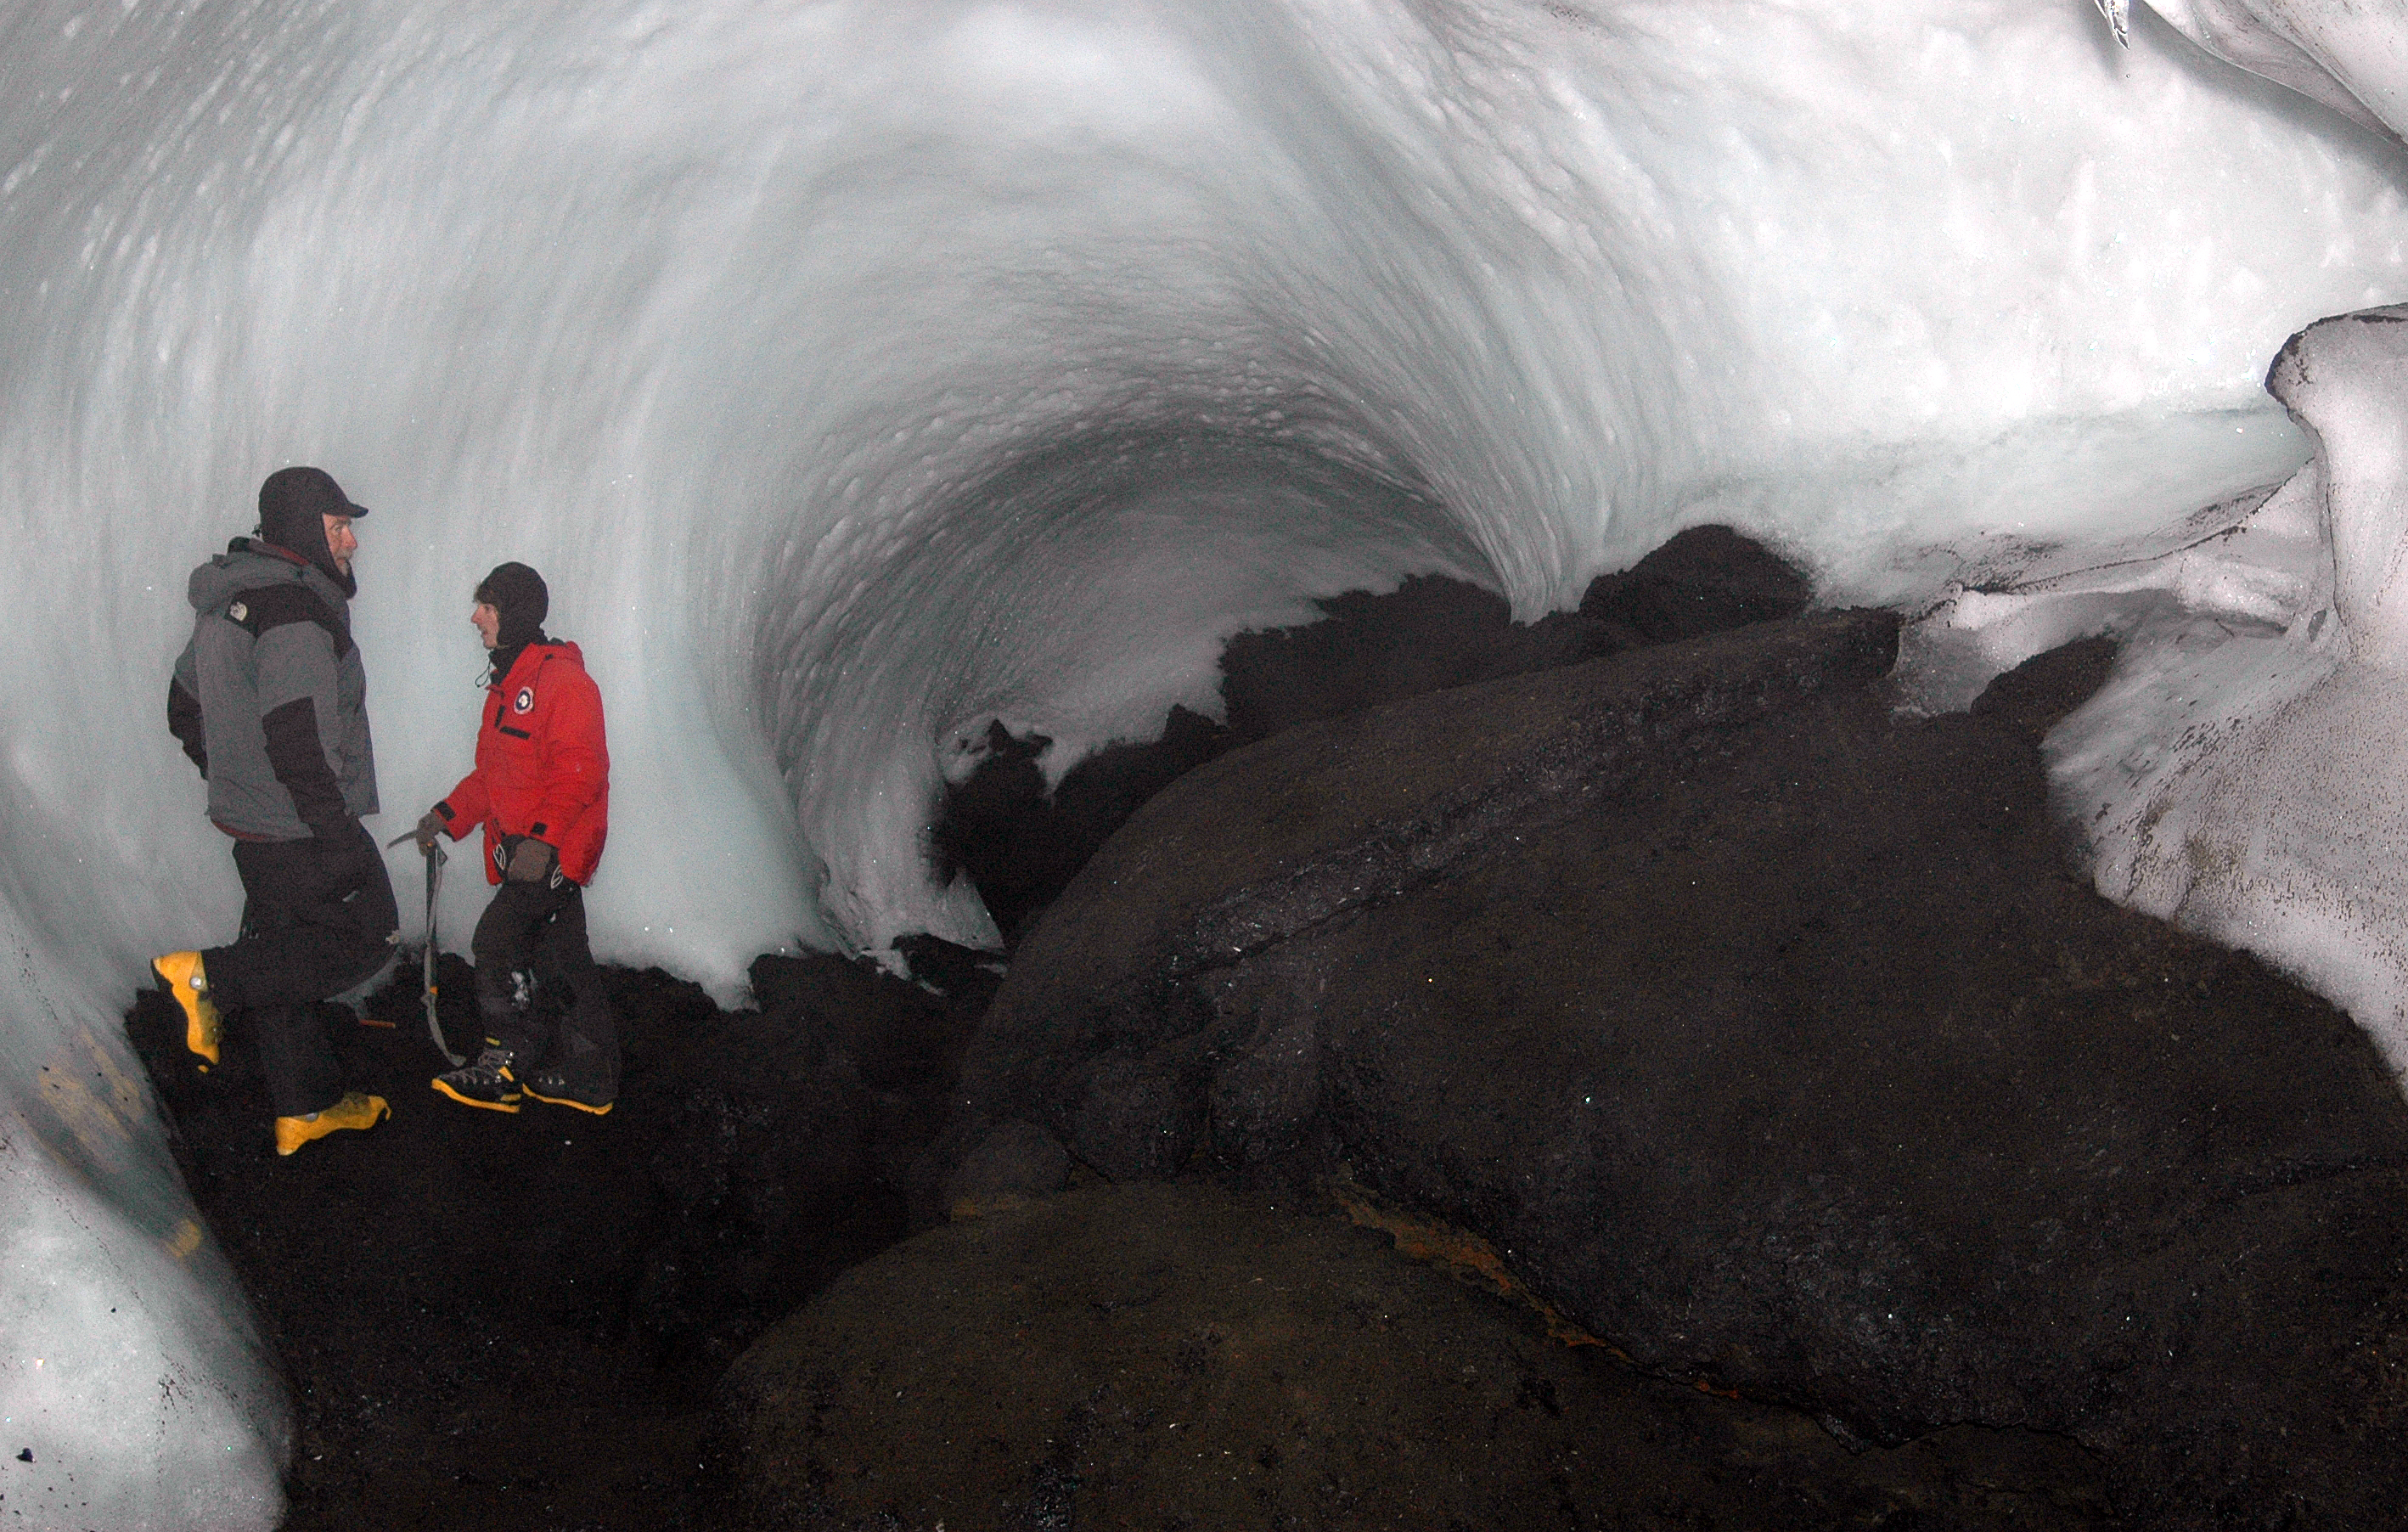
(1177, 1356)
(515, 1321)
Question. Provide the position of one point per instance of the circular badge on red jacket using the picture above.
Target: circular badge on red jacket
(525, 701)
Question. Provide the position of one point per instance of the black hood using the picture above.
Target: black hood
(292, 505)
(518, 596)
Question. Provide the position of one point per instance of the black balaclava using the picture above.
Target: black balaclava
(517, 592)
(291, 502)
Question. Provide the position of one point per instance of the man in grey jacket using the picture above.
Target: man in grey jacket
(270, 701)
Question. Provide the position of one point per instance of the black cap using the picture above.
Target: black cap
(518, 593)
(290, 502)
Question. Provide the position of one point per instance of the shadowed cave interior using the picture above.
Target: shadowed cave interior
(530, 1320)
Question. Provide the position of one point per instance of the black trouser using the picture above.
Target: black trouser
(318, 918)
(541, 928)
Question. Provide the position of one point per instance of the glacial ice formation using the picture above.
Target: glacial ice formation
(861, 370)
(2351, 57)
(2238, 775)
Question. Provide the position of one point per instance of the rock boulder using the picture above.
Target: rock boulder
(1769, 1035)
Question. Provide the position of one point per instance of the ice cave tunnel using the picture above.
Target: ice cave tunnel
(862, 371)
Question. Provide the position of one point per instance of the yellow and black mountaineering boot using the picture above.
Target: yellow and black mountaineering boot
(353, 1110)
(181, 975)
(489, 1082)
(562, 1089)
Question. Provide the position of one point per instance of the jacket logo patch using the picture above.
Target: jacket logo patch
(525, 701)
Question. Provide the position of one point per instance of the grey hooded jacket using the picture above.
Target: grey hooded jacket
(270, 700)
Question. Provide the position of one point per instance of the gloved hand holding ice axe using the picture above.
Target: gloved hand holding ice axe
(432, 847)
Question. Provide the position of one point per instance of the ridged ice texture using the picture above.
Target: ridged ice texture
(859, 370)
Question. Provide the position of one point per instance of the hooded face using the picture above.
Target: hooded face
(305, 512)
(516, 597)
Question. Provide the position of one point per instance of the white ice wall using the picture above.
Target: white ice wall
(724, 314)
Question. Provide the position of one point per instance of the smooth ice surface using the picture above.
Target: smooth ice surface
(859, 370)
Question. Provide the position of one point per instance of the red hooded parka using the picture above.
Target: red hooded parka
(543, 766)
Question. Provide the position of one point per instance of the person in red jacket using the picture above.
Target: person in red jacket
(541, 789)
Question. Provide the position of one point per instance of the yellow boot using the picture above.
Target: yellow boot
(353, 1110)
(181, 975)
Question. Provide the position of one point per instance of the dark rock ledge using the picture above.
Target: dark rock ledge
(1180, 1357)
(1342, 815)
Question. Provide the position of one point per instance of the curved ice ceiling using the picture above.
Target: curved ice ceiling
(861, 370)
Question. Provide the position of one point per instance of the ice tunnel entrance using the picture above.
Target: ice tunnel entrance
(1079, 593)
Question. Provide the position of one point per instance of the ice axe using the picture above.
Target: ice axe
(435, 860)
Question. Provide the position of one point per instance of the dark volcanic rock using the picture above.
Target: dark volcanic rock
(757, 1140)
(1433, 633)
(997, 828)
(1171, 1356)
(1019, 845)
(894, 1033)
(1705, 580)
(966, 977)
(1781, 1049)
(1342, 815)
(1430, 632)
(1018, 1162)
(1098, 795)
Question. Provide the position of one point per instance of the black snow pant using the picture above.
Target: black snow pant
(540, 928)
(318, 919)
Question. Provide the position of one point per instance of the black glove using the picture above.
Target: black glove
(530, 862)
(430, 825)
